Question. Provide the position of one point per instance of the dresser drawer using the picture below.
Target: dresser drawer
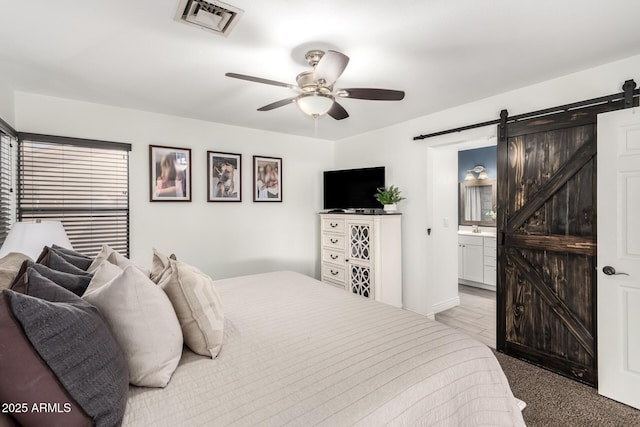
(333, 273)
(333, 256)
(335, 225)
(333, 241)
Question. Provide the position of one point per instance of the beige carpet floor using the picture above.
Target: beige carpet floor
(553, 400)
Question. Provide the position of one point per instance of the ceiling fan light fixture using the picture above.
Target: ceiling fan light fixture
(314, 104)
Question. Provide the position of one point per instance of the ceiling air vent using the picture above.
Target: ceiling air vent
(214, 16)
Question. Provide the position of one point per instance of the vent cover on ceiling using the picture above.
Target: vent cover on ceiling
(215, 16)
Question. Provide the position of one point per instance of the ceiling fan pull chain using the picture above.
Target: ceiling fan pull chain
(315, 121)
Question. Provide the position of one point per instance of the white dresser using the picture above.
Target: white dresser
(363, 254)
(477, 261)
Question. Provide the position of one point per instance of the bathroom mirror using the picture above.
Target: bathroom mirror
(478, 202)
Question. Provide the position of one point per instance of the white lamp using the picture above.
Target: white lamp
(30, 237)
(314, 104)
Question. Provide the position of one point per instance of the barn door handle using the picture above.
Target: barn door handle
(610, 271)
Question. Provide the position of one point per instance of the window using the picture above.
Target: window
(82, 183)
(6, 185)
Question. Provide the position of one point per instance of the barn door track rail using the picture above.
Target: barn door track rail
(629, 94)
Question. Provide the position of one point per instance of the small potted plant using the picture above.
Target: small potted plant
(389, 197)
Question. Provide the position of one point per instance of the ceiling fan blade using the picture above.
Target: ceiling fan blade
(260, 80)
(277, 104)
(330, 67)
(337, 111)
(372, 94)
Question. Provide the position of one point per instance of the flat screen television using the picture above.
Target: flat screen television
(353, 188)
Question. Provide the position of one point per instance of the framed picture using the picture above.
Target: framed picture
(170, 174)
(267, 179)
(224, 180)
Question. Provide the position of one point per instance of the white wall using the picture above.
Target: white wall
(411, 166)
(6, 104)
(223, 239)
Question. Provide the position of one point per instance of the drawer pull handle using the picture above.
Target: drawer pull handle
(333, 225)
(333, 256)
(334, 273)
(334, 241)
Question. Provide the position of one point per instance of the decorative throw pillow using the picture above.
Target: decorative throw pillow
(81, 262)
(108, 254)
(53, 260)
(76, 283)
(198, 307)
(74, 341)
(70, 251)
(9, 266)
(144, 323)
(25, 379)
(105, 273)
(159, 266)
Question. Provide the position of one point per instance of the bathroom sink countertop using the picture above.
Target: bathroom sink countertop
(480, 234)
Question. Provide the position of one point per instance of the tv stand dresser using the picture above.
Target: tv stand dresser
(362, 254)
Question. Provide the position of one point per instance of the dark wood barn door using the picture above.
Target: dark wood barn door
(547, 242)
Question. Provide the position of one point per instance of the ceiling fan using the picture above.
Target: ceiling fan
(316, 94)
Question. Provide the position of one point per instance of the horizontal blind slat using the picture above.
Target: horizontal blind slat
(84, 187)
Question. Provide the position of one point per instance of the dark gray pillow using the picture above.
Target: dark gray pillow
(55, 261)
(70, 252)
(75, 342)
(81, 262)
(76, 283)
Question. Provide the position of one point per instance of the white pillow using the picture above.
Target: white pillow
(105, 273)
(159, 266)
(142, 319)
(198, 306)
(108, 254)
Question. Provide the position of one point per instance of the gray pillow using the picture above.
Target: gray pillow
(70, 252)
(76, 283)
(73, 339)
(78, 261)
(55, 261)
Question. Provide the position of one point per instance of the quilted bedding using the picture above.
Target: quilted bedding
(298, 352)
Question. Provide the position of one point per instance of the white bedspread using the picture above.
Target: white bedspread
(300, 352)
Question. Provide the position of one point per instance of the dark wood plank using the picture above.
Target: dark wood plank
(557, 364)
(560, 178)
(555, 243)
(579, 331)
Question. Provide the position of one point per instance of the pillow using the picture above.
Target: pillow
(81, 262)
(76, 283)
(74, 341)
(70, 251)
(103, 275)
(114, 257)
(159, 266)
(55, 261)
(144, 324)
(26, 379)
(9, 266)
(198, 307)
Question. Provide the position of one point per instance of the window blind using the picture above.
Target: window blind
(6, 185)
(82, 183)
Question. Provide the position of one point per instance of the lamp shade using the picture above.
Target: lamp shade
(315, 104)
(30, 237)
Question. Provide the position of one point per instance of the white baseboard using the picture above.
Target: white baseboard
(446, 305)
(477, 284)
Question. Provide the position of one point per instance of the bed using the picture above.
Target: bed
(298, 352)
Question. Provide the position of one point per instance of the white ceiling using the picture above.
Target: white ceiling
(441, 52)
